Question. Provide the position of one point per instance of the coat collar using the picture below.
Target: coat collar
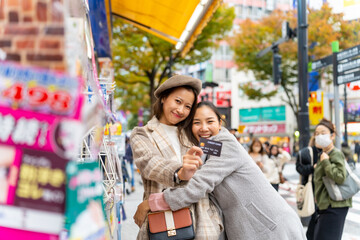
(153, 123)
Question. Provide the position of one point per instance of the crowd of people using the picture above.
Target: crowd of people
(232, 195)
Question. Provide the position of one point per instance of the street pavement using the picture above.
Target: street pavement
(129, 229)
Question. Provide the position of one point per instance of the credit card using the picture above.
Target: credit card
(210, 147)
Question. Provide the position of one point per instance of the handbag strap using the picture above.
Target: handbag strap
(170, 224)
(311, 155)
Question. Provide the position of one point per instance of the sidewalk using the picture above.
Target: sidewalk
(129, 229)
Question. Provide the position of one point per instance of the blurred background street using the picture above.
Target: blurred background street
(287, 190)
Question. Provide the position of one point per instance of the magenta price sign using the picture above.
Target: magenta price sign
(39, 90)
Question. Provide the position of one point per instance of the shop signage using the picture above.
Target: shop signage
(316, 107)
(223, 98)
(355, 86)
(39, 90)
(41, 182)
(265, 128)
(263, 114)
(40, 131)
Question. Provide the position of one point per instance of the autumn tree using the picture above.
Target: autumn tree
(141, 60)
(253, 36)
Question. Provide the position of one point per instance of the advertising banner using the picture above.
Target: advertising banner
(264, 128)
(40, 131)
(263, 114)
(84, 206)
(316, 107)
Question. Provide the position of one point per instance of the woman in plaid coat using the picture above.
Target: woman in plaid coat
(158, 150)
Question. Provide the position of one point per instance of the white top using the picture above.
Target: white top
(172, 132)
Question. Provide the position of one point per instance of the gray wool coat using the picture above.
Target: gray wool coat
(251, 207)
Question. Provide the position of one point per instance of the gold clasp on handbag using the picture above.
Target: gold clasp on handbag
(171, 232)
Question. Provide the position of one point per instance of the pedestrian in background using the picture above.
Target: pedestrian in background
(161, 151)
(258, 154)
(330, 219)
(305, 168)
(129, 159)
(267, 147)
(251, 208)
(348, 153)
(357, 150)
(277, 158)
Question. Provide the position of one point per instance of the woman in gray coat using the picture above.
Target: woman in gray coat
(251, 207)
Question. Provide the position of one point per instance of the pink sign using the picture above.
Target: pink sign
(265, 128)
(39, 90)
(223, 98)
(33, 130)
(40, 127)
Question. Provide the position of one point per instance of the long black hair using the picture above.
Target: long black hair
(273, 146)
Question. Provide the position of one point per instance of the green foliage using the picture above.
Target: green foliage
(141, 59)
(324, 27)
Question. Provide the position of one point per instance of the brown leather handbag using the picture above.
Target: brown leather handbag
(176, 225)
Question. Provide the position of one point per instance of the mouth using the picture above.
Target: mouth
(177, 116)
(205, 135)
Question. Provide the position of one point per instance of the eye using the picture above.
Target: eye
(188, 107)
(211, 121)
(196, 123)
(177, 100)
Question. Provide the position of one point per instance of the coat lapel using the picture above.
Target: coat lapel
(161, 139)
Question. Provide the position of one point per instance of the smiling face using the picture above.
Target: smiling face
(206, 123)
(177, 106)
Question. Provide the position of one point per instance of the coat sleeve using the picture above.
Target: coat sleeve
(335, 167)
(148, 159)
(211, 174)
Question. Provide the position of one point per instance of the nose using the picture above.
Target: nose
(180, 110)
(203, 127)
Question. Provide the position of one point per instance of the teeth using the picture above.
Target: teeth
(205, 136)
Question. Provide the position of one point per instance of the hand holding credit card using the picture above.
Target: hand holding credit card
(210, 147)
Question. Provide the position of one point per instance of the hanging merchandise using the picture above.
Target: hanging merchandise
(84, 205)
(40, 131)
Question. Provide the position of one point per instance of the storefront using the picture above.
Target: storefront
(265, 123)
(59, 172)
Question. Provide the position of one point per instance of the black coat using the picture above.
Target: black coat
(303, 165)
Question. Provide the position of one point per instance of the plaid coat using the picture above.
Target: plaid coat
(156, 159)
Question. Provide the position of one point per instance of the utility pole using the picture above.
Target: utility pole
(335, 50)
(345, 115)
(303, 117)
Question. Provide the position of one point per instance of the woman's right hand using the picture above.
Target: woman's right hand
(191, 163)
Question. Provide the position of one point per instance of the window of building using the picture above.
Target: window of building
(201, 75)
(238, 11)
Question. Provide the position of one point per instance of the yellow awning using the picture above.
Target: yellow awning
(176, 21)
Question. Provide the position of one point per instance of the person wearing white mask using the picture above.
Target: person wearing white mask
(330, 220)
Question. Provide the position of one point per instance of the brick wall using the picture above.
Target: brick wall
(32, 32)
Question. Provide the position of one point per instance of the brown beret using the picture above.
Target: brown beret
(178, 81)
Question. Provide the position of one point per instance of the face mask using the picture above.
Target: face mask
(323, 140)
(256, 149)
